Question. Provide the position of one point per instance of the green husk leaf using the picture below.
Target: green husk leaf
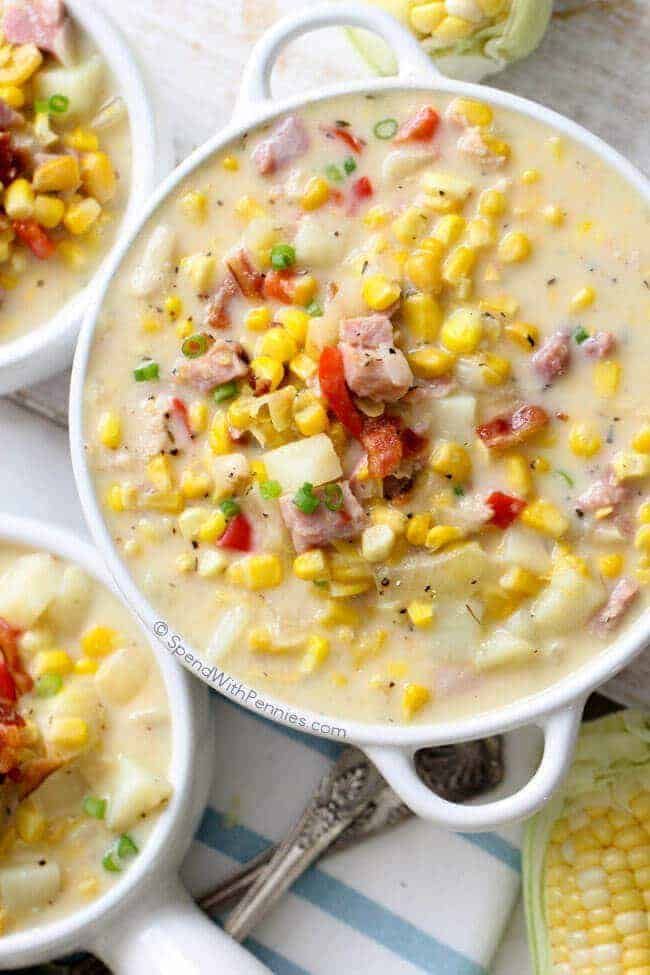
(486, 52)
(612, 760)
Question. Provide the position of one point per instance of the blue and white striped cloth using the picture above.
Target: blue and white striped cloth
(413, 900)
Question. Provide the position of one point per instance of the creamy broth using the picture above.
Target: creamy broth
(65, 166)
(85, 781)
(422, 514)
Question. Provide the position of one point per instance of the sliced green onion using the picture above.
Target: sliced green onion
(459, 491)
(305, 499)
(566, 477)
(110, 863)
(225, 391)
(229, 508)
(126, 847)
(270, 489)
(386, 129)
(581, 335)
(48, 685)
(95, 807)
(321, 583)
(333, 497)
(59, 104)
(350, 164)
(334, 173)
(195, 345)
(42, 106)
(315, 309)
(282, 256)
(147, 371)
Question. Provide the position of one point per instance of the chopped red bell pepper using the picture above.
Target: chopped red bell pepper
(332, 383)
(383, 442)
(344, 134)
(280, 286)
(34, 237)
(7, 684)
(506, 508)
(238, 534)
(14, 675)
(420, 127)
(179, 407)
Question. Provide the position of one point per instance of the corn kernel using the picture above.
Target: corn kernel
(258, 319)
(184, 329)
(584, 298)
(69, 732)
(611, 565)
(194, 205)
(420, 612)
(303, 366)
(433, 245)
(82, 140)
(449, 228)
(523, 333)
(544, 517)
(212, 528)
(495, 369)
(219, 438)
(440, 536)
(59, 174)
(311, 565)
(642, 538)
(316, 653)
(304, 289)
(312, 420)
(641, 440)
(98, 176)
(53, 662)
(12, 95)
(410, 225)
(607, 377)
(473, 112)
(379, 293)
(520, 582)
(459, 264)
(414, 698)
(376, 217)
(99, 641)
(159, 472)
(425, 17)
(530, 176)
(518, 474)
(109, 430)
(418, 528)
(430, 362)
(462, 331)
(481, 232)
(422, 315)
(116, 498)
(195, 484)
(277, 344)
(19, 200)
(30, 822)
(248, 208)
(80, 216)
(553, 215)
(48, 211)
(201, 270)
(453, 29)
(423, 270)
(383, 514)
(447, 188)
(492, 203)
(629, 466)
(316, 193)
(451, 460)
(267, 372)
(584, 440)
(171, 502)
(84, 665)
(514, 247)
(256, 572)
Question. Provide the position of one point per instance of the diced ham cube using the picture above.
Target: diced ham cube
(599, 345)
(509, 430)
(621, 598)
(373, 367)
(217, 313)
(40, 22)
(553, 357)
(225, 360)
(287, 141)
(323, 526)
(603, 493)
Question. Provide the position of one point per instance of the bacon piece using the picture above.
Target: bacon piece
(420, 127)
(217, 312)
(620, 599)
(9, 648)
(250, 281)
(225, 360)
(287, 141)
(599, 345)
(511, 429)
(323, 526)
(603, 493)
(12, 161)
(471, 144)
(383, 443)
(553, 356)
(373, 367)
(40, 22)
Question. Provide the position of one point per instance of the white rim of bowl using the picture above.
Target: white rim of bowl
(146, 154)
(80, 927)
(523, 711)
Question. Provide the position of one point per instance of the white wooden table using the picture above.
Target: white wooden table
(593, 66)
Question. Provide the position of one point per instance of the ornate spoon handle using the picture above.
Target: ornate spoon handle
(342, 795)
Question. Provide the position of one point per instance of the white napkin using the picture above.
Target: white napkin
(415, 899)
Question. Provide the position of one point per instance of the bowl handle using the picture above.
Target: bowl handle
(560, 731)
(163, 932)
(412, 61)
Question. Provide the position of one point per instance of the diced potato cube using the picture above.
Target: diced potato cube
(502, 648)
(69, 606)
(29, 886)
(136, 793)
(312, 460)
(28, 588)
(121, 676)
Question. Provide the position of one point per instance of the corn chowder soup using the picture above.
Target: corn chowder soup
(64, 161)
(85, 739)
(367, 407)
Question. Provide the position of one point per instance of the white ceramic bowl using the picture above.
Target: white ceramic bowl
(147, 922)
(48, 348)
(558, 709)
